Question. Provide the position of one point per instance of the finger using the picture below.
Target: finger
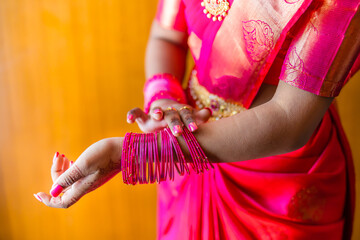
(156, 113)
(70, 197)
(186, 114)
(152, 125)
(203, 115)
(56, 168)
(68, 178)
(173, 120)
(136, 114)
(66, 164)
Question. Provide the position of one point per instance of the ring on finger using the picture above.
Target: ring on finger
(185, 107)
(171, 109)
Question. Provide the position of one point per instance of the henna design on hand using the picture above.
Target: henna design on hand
(74, 175)
(56, 200)
(73, 200)
(105, 174)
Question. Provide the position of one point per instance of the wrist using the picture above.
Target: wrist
(151, 157)
(116, 146)
(162, 86)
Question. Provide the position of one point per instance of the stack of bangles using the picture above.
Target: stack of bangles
(141, 163)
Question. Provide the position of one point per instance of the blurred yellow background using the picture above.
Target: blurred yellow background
(69, 72)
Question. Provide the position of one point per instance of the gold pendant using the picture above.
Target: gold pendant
(216, 9)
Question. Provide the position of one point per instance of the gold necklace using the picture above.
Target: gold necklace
(216, 9)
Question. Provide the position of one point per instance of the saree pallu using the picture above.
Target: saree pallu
(305, 194)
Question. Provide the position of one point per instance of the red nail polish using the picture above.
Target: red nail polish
(71, 163)
(177, 129)
(55, 156)
(193, 127)
(38, 197)
(56, 190)
(63, 155)
(130, 117)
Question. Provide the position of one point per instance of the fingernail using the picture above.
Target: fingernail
(157, 111)
(130, 117)
(56, 156)
(38, 197)
(193, 127)
(63, 155)
(210, 110)
(56, 190)
(71, 163)
(177, 129)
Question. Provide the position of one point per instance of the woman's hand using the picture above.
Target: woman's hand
(166, 112)
(95, 166)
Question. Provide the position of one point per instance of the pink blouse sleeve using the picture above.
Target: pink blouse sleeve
(170, 14)
(317, 38)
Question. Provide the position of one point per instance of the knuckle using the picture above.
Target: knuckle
(69, 181)
(169, 113)
(74, 175)
(174, 121)
(188, 118)
(185, 111)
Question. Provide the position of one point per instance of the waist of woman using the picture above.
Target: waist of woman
(221, 107)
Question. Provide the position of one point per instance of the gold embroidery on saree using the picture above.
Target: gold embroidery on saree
(307, 205)
(259, 39)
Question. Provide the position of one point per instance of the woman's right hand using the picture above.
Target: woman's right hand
(96, 165)
(167, 112)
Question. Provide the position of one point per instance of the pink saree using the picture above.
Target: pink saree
(305, 194)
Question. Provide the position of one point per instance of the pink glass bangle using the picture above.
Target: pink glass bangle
(162, 86)
(196, 152)
(142, 164)
(179, 154)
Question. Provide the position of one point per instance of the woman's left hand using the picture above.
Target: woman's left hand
(95, 166)
(167, 112)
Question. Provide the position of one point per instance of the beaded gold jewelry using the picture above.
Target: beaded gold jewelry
(216, 9)
(219, 107)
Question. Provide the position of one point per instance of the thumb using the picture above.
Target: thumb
(203, 115)
(68, 178)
